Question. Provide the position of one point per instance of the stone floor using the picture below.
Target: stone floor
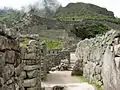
(64, 79)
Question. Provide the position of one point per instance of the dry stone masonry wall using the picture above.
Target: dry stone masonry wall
(99, 60)
(10, 61)
(44, 63)
(32, 66)
(56, 58)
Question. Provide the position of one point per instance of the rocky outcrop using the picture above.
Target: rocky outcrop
(10, 61)
(99, 60)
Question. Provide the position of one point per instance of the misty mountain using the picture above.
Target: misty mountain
(43, 8)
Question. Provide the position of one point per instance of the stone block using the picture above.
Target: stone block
(30, 82)
(13, 44)
(18, 59)
(31, 67)
(19, 69)
(33, 74)
(2, 61)
(117, 62)
(10, 81)
(117, 50)
(8, 72)
(8, 87)
(1, 81)
(10, 57)
(31, 49)
(23, 74)
(30, 56)
(3, 43)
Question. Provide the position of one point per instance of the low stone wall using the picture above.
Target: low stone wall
(54, 57)
(10, 61)
(32, 66)
(98, 60)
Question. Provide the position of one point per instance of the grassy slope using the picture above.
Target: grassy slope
(77, 11)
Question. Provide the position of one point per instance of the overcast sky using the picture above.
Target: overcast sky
(112, 5)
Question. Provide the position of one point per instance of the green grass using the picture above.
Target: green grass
(52, 43)
(83, 79)
(24, 43)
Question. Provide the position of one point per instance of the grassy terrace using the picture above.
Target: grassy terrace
(52, 43)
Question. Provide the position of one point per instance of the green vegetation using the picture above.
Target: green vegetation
(52, 43)
(83, 10)
(83, 79)
(89, 30)
(10, 16)
(24, 42)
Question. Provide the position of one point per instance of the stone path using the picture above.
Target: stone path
(63, 78)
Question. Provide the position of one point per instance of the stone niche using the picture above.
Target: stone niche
(32, 66)
(10, 62)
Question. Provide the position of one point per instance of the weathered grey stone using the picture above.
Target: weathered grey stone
(109, 72)
(32, 74)
(10, 81)
(10, 57)
(78, 70)
(2, 61)
(19, 69)
(31, 49)
(117, 62)
(1, 81)
(9, 60)
(116, 41)
(23, 74)
(117, 50)
(101, 59)
(30, 82)
(8, 71)
(13, 44)
(17, 59)
(31, 67)
(30, 56)
(3, 43)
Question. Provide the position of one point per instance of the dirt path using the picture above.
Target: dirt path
(63, 78)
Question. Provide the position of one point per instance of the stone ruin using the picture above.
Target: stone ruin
(99, 60)
(44, 63)
(10, 61)
(20, 67)
(57, 59)
(32, 66)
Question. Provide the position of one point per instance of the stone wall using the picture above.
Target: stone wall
(55, 57)
(98, 60)
(10, 61)
(44, 63)
(32, 65)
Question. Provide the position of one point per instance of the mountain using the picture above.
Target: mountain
(82, 10)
